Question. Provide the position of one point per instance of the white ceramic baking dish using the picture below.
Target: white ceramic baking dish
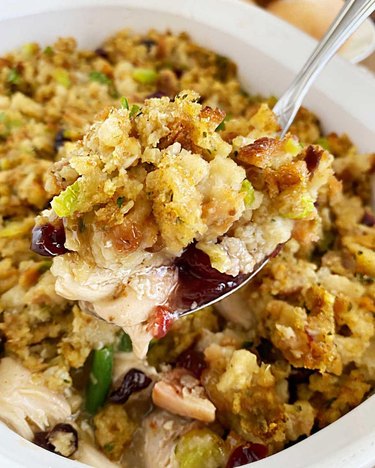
(268, 53)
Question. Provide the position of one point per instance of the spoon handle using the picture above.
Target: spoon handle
(350, 17)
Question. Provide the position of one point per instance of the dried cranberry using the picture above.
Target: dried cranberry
(100, 52)
(49, 239)
(149, 43)
(3, 340)
(41, 439)
(296, 378)
(48, 440)
(246, 454)
(133, 381)
(266, 351)
(312, 158)
(193, 361)
(368, 219)
(60, 139)
(178, 72)
(156, 94)
(199, 282)
(161, 321)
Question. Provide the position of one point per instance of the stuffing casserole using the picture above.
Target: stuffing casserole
(268, 366)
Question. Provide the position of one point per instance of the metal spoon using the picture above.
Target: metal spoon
(350, 17)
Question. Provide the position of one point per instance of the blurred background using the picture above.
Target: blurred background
(315, 16)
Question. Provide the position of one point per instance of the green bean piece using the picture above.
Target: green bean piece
(100, 379)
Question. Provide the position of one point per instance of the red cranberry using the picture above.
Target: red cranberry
(3, 340)
(41, 439)
(198, 281)
(368, 219)
(60, 140)
(45, 439)
(266, 351)
(49, 239)
(100, 52)
(295, 379)
(193, 361)
(133, 381)
(161, 321)
(149, 43)
(246, 454)
(312, 158)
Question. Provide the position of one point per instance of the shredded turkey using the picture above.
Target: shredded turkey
(24, 404)
(180, 393)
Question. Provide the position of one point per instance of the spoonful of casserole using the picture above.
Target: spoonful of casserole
(156, 212)
(159, 211)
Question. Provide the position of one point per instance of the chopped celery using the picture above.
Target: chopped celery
(200, 447)
(62, 77)
(65, 204)
(30, 49)
(292, 146)
(249, 192)
(145, 75)
(323, 142)
(14, 77)
(301, 209)
(100, 77)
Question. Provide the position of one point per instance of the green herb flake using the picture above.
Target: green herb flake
(124, 103)
(125, 343)
(221, 126)
(323, 142)
(81, 225)
(247, 344)
(134, 110)
(145, 76)
(100, 77)
(65, 204)
(48, 51)
(108, 447)
(44, 266)
(14, 77)
(120, 201)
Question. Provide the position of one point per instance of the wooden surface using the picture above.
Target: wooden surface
(370, 62)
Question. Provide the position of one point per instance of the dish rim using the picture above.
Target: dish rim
(364, 414)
